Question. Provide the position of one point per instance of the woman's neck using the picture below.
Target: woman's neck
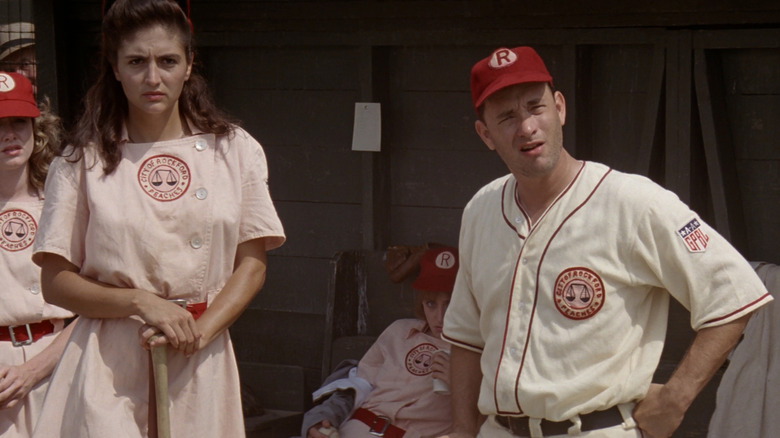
(149, 128)
(15, 185)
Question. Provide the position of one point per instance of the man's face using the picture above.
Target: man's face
(22, 61)
(523, 124)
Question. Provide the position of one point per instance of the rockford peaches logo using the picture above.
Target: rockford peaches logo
(164, 177)
(578, 293)
(18, 230)
(420, 358)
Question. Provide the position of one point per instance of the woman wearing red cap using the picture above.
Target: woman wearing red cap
(395, 390)
(157, 222)
(32, 332)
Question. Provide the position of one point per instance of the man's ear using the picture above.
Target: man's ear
(560, 106)
(484, 134)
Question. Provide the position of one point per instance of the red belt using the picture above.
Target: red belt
(379, 425)
(26, 334)
(196, 309)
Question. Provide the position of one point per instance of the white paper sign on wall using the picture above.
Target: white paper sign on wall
(367, 132)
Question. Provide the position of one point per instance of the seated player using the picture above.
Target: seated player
(392, 388)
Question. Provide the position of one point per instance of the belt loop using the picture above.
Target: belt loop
(16, 343)
(627, 412)
(535, 427)
(576, 427)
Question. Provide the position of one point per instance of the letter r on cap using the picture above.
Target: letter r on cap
(502, 58)
(6, 83)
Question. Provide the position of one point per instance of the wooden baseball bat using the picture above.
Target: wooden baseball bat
(160, 371)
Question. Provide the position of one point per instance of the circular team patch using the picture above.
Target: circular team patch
(164, 177)
(18, 229)
(420, 358)
(578, 293)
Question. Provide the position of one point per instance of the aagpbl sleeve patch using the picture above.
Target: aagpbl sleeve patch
(693, 236)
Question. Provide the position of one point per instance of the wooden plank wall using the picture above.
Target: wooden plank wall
(292, 71)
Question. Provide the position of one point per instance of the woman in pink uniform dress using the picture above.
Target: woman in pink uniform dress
(158, 200)
(32, 332)
(394, 390)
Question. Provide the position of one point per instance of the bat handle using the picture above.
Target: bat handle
(160, 370)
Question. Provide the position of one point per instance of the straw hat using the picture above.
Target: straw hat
(15, 36)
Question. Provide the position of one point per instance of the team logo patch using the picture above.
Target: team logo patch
(578, 293)
(420, 358)
(18, 230)
(694, 236)
(164, 177)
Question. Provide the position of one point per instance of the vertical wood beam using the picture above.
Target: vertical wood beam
(719, 151)
(678, 115)
(375, 200)
(650, 121)
(568, 82)
(365, 64)
(45, 51)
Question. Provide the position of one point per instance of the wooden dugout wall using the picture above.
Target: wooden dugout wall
(683, 92)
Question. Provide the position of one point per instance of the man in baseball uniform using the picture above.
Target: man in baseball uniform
(559, 311)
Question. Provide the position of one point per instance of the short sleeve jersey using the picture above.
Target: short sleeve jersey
(570, 313)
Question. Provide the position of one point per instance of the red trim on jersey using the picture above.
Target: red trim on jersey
(503, 210)
(536, 291)
(460, 343)
(762, 298)
(503, 341)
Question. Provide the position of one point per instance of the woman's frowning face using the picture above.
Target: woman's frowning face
(152, 65)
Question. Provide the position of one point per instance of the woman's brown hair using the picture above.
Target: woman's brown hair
(47, 134)
(105, 103)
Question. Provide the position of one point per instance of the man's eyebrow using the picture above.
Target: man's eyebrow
(505, 113)
(534, 100)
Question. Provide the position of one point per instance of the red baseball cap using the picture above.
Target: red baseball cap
(505, 67)
(16, 96)
(438, 267)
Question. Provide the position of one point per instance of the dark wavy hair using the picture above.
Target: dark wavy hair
(105, 103)
(47, 134)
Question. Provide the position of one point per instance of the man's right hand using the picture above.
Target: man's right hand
(314, 431)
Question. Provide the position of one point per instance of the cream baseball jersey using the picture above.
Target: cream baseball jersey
(570, 313)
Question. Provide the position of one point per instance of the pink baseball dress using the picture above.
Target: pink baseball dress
(169, 220)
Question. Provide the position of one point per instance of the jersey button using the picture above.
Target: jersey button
(200, 145)
(35, 289)
(196, 242)
(201, 193)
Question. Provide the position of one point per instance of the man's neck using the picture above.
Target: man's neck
(536, 194)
